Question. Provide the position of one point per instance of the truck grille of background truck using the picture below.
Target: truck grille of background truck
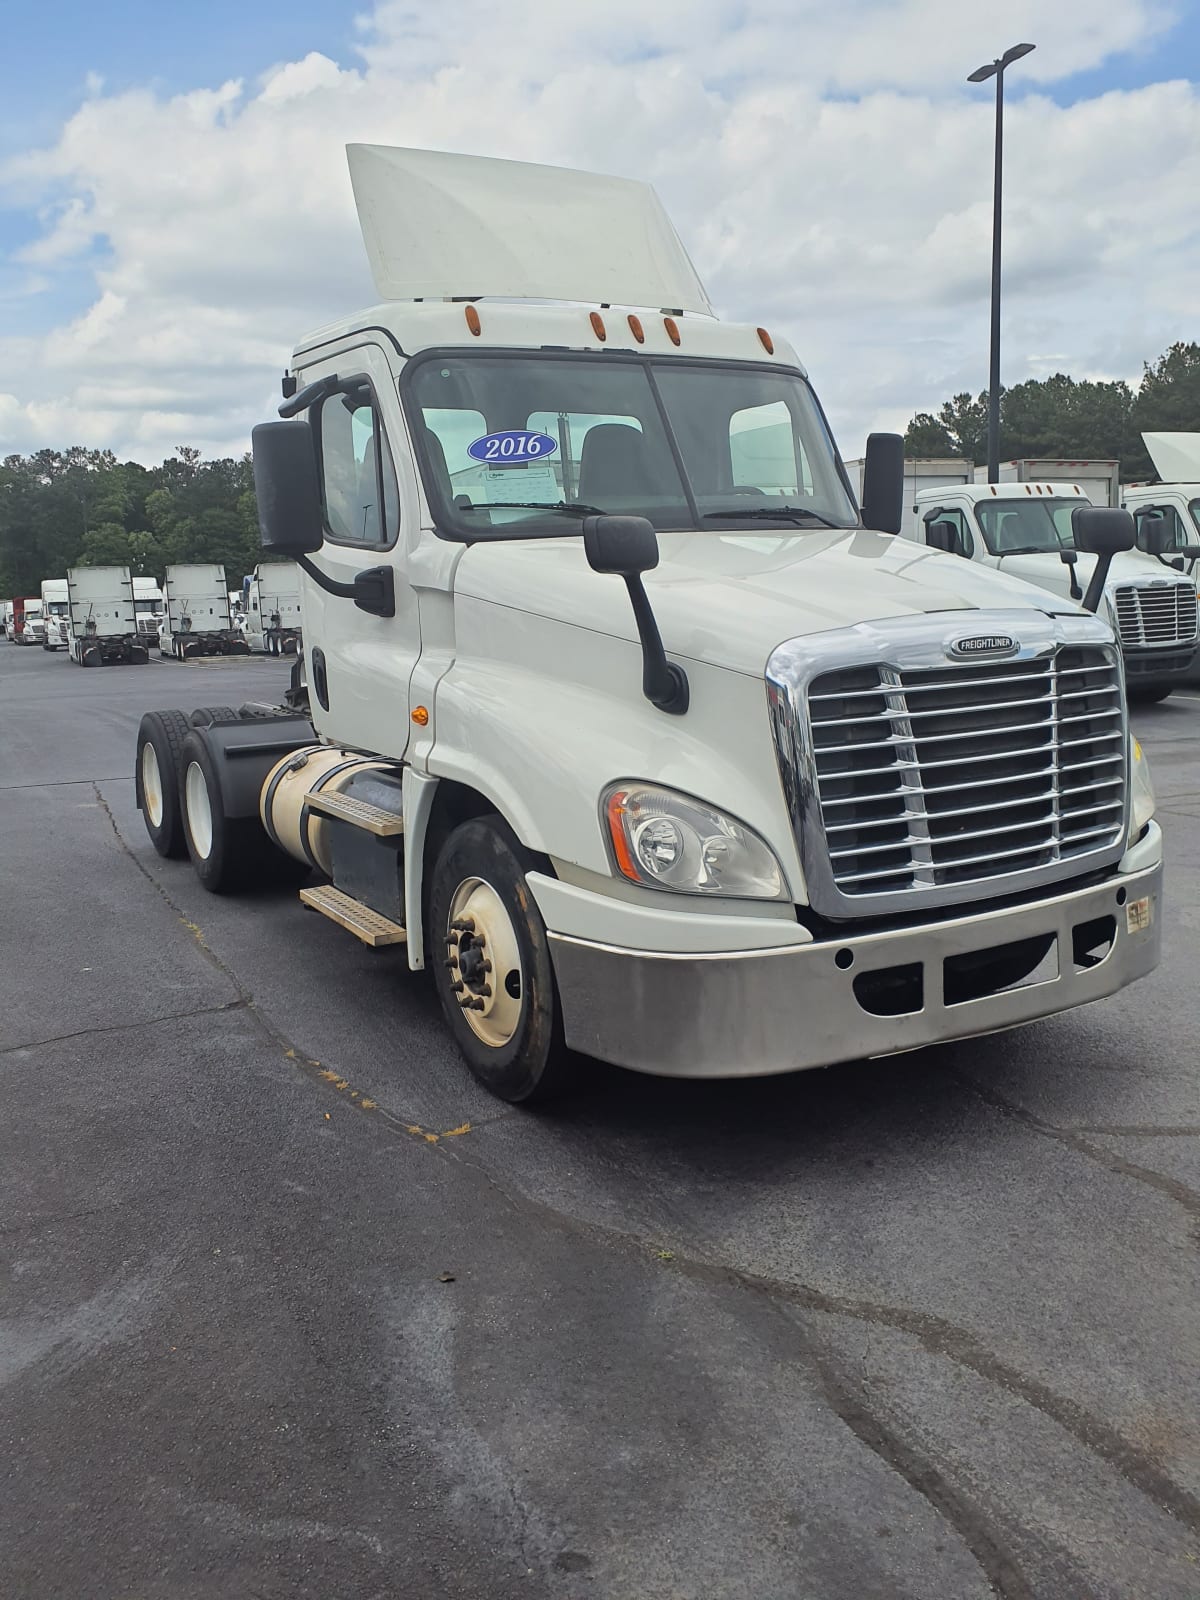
(1162, 613)
(953, 775)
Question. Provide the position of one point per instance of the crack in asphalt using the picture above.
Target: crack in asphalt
(843, 1393)
(125, 1027)
(64, 783)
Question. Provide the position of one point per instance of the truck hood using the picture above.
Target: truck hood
(1047, 571)
(730, 598)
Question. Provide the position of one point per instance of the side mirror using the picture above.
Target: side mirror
(1153, 534)
(1070, 558)
(943, 536)
(1102, 531)
(285, 480)
(626, 547)
(883, 483)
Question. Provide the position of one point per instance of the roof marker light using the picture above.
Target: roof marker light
(598, 326)
(473, 320)
(765, 339)
(636, 329)
(672, 328)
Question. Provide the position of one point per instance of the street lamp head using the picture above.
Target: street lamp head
(982, 74)
(1015, 54)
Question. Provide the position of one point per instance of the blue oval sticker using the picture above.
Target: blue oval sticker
(511, 447)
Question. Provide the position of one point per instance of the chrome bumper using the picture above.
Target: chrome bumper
(746, 1014)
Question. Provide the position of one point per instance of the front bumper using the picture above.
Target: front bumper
(1162, 664)
(754, 1012)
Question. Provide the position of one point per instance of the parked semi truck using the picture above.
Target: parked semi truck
(103, 624)
(148, 610)
(1100, 481)
(196, 620)
(1025, 529)
(647, 746)
(33, 624)
(14, 619)
(1175, 498)
(56, 614)
(271, 608)
(919, 473)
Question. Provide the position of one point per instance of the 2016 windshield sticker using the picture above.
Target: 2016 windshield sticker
(512, 447)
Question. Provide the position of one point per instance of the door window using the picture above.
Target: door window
(358, 476)
(962, 528)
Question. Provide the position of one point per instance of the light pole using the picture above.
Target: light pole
(981, 75)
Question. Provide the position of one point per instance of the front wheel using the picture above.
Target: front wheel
(492, 970)
(1151, 695)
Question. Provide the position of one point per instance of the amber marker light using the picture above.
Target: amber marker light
(615, 810)
(636, 329)
(672, 328)
(473, 321)
(765, 339)
(420, 716)
(598, 326)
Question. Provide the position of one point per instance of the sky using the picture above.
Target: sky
(175, 212)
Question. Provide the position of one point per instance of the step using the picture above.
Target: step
(373, 819)
(350, 913)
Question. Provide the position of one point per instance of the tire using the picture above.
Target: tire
(162, 734)
(225, 851)
(203, 716)
(1151, 695)
(516, 1049)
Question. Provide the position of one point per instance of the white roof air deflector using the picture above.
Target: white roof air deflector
(439, 226)
(1176, 456)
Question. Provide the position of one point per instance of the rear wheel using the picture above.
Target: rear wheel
(228, 853)
(159, 754)
(493, 973)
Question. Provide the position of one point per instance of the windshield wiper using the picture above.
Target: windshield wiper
(796, 514)
(1032, 550)
(574, 507)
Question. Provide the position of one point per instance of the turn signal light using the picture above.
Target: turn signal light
(420, 716)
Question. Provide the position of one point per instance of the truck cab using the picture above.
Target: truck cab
(33, 624)
(270, 609)
(56, 611)
(147, 610)
(617, 714)
(1024, 530)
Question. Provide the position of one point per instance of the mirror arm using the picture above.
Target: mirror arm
(309, 395)
(664, 683)
(1095, 588)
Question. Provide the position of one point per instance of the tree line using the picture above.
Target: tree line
(79, 507)
(1071, 419)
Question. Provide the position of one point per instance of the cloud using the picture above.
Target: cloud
(828, 168)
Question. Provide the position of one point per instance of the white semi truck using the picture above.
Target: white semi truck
(56, 614)
(103, 624)
(1175, 498)
(148, 610)
(932, 472)
(1025, 530)
(196, 619)
(30, 625)
(648, 748)
(271, 608)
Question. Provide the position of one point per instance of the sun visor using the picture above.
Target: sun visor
(439, 226)
(1176, 456)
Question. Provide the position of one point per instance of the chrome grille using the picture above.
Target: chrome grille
(1156, 613)
(937, 777)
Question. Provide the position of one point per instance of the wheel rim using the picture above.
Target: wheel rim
(152, 791)
(199, 810)
(484, 961)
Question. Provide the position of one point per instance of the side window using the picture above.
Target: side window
(358, 476)
(765, 454)
(962, 528)
(1176, 536)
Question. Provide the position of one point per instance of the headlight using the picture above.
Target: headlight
(665, 840)
(1141, 807)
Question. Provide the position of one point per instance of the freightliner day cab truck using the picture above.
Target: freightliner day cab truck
(56, 613)
(196, 619)
(103, 625)
(646, 745)
(271, 608)
(32, 628)
(1025, 529)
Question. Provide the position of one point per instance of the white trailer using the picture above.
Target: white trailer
(103, 625)
(196, 619)
(920, 472)
(1099, 481)
(648, 745)
(271, 608)
(56, 614)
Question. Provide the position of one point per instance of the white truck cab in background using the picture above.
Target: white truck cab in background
(103, 624)
(148, 610)
(271, 608)
(56, 614)
(33, 625)
(1100, 481)
(1024, 531)
(196, 619)
(616, 714)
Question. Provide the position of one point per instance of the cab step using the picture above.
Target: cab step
(360, 813)
(351, 914)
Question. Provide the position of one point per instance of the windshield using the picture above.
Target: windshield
(516, 446)
(57, 608)
(1027, 527)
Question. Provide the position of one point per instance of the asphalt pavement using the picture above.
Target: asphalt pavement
(290, 1307)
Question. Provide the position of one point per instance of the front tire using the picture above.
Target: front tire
(491, 964)
(1150, 696)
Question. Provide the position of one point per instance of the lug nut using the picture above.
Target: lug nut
(464, 925)
(487, 966)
